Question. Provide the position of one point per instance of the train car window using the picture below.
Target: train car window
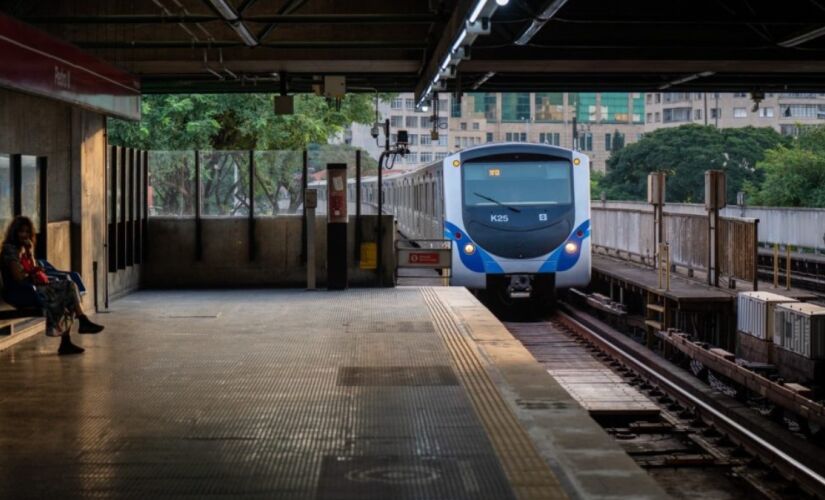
(518, 183)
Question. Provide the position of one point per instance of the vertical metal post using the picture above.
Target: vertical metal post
(123, 162)
(111, 217)
(17, 183)
(129, 195)
(755, 262)
(379, 250)
(310, 211)
(775, 265)
(43, 230)
(137, 251)
(198, 227)
(251, 235)
(304, 184)
(145, 221)
(787, 267)
(358, 235)
(713, 247)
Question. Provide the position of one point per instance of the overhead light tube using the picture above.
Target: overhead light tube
(459, 40)
(243, 32)
(477, 10)
(224, 9)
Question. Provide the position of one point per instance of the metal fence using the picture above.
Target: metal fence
(629, 229)
(799, 227)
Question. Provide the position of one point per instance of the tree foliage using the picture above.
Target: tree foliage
(236, 123)
(685, 153)
(794, 176)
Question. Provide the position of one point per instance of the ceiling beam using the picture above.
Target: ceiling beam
(224, 44)
(280, 19)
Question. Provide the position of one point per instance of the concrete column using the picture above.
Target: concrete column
(88, 153)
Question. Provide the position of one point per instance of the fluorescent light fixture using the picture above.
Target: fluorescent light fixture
(461, 37)
(243, 32)
(686, 79)
(446, 63)
(477, 10)
(224, 9)
(538, 23)
(502, 3)
(803, 38)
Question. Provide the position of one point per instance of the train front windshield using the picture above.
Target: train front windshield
(529, 183)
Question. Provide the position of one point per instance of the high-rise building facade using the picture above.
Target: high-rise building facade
(785, 112)
(602, 122)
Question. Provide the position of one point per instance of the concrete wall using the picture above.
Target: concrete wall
(36, 126)
(171, 254)
(800, 227)
(59, 251)
(73, 141)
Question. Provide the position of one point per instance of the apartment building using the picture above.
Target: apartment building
(603, 121)
(785, 112)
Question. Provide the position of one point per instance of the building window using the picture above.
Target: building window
(426, 122)
(765, 112)
(443, 140)
(649, 117)
(397, 121)
(515, 106)
(489, 137)
(658, 98)
(657, 117)
(476, 126)
(410, 104)
(676, 96)
(674, 115)
(716, 113)
(463, 125)
(442, 104)
(455, 108)
(425, 140)
(549, 106)
(739, 95)
(740, 113)
(440, 156)
(426, 157)
(412, 121)
(397, 103)
(413, 138)
(412, 157)
(802, 111)
(649, 98)
(697, 114)
(586, 141)
(608, 140)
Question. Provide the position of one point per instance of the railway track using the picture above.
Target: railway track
(696, 428)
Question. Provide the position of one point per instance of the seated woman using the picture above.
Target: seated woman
(26, 285)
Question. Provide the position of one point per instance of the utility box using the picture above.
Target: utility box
(755, 313)
(715, 189)
(656, 188)
(284, 105)
(335, 87)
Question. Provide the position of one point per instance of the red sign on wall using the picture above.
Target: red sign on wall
(423, 257)
(37, 63)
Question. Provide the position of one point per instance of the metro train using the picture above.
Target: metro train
(518, 215)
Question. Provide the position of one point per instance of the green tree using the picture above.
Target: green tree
(685, 153)
(793, 176)
(235, 122)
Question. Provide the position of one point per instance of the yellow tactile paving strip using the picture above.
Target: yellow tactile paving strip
(528, 473)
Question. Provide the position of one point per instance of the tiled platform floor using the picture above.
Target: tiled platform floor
(264, 394)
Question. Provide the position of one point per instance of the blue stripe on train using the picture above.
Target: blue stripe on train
(479, 261)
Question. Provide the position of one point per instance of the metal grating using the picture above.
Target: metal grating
(396, 376)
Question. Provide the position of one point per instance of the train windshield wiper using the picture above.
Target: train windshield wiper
(508, 207)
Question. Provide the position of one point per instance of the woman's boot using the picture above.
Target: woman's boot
(66, 346)
(86, 325)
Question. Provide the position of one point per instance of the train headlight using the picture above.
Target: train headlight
(571, 247)
(469, 249)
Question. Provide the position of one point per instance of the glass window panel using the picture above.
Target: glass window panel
(171, 184)
(6, 199)
(515, 106)
(549, 106)
(30, 192)
(224, 183)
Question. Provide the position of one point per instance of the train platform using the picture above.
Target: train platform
(369, 394)
(683, 290)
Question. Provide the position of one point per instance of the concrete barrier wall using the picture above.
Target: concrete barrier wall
(800, 227)
(225, 261)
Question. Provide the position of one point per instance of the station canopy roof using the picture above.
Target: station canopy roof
(532, 45)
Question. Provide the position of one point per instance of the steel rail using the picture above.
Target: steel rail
(812, 477)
